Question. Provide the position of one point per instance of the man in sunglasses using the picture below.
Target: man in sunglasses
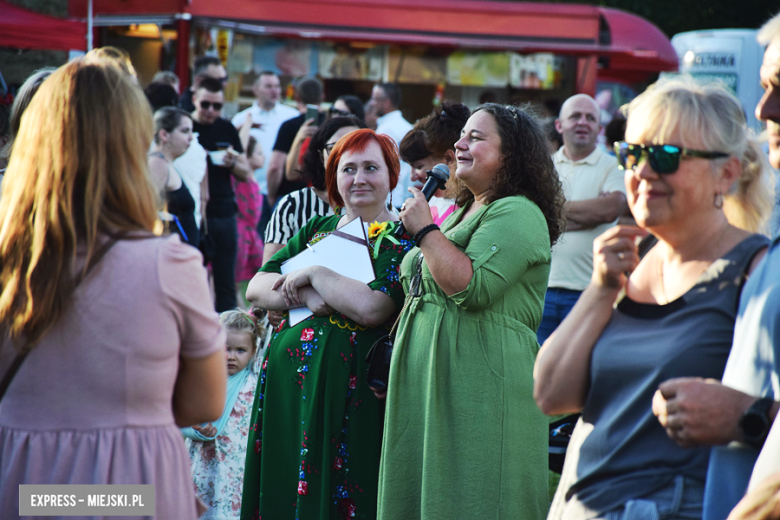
(736, 416)
(205, 67)
(595, 198)
(219, 238)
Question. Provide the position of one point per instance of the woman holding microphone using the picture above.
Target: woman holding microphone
(463, 437)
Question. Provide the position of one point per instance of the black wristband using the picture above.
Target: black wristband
(424, 231)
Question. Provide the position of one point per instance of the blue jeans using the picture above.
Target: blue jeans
(682, 499)
(557, 305)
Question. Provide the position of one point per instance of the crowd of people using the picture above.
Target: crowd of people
(618, 307)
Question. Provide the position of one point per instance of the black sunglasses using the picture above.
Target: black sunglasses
(205, 105)
(329, 147)
(664, 158)
(336, 112)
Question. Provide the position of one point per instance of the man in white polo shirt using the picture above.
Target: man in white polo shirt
(267, 116)
(385, 99)
(595, 198)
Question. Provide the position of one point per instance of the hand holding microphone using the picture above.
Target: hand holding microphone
(414, 214)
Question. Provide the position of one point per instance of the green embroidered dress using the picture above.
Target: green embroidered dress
(463, 436)
(316, 428)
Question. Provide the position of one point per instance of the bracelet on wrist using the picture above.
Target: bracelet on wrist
(424, 231)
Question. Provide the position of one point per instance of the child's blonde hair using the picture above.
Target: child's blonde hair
(237, 320)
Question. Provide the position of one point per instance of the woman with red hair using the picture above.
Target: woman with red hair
(316, 428)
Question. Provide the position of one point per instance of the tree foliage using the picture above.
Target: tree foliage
(674, 16)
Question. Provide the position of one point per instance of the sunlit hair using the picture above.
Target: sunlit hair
(78, 171)
(526, 166)
(356, 142)
(769, 31)
(168, 119)
(21, 102)
(708, 117)
(240, 321)
(111, 56)
(312, 165)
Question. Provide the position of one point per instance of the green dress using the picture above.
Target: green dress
(316, 428)
(463, 436)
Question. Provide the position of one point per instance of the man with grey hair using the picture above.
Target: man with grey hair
(595, 198)
(735, 416)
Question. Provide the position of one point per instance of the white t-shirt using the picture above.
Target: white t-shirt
(265, 126)
(192, 168)
(394, 125)
(572, 255)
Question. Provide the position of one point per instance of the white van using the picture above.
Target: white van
(732, 56)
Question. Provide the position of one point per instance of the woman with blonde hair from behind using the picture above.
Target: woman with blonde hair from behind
(697, 181)
(108, 337)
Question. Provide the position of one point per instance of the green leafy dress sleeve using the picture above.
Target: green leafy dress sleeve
(316, 228)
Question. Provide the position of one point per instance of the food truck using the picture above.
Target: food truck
(730, 56)
(464, 50)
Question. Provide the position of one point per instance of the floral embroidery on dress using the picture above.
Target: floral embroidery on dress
(308, 355)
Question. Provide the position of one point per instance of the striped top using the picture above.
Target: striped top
(292, 212)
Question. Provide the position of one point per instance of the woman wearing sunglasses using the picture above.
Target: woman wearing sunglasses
(700, 185)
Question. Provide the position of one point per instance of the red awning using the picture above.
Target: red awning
(23, 29)
(634, 45)
(640, 47)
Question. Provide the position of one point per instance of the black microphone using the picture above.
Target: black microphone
(437, 179)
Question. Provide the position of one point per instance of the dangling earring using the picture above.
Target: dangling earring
(391, 200)
(718, 201)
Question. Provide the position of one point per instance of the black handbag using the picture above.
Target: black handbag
(381, 352)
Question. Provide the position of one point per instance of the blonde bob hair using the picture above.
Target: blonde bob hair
(77, 173)
(710, 118)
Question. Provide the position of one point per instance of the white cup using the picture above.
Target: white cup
(218, 157)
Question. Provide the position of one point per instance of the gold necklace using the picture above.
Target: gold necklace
(706, 266)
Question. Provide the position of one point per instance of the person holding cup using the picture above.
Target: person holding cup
(219, 238)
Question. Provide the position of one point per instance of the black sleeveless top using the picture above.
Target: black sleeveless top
(182, 205)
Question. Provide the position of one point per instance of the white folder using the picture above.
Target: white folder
(345, 252)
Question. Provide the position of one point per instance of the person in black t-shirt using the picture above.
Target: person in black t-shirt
(219, 238)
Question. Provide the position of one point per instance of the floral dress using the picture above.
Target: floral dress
(316, 428)
(218, 465)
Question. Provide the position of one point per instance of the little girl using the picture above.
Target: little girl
(218, 450)
(249, 200)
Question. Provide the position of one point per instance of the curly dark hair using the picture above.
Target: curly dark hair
(312, 167)
(527, 167)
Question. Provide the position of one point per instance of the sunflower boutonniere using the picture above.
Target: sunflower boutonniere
(377, 231)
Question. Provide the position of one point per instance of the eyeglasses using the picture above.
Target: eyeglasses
(222, 80)
(329, 147)
(205, 105)
(336, 112)
(664, 158)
